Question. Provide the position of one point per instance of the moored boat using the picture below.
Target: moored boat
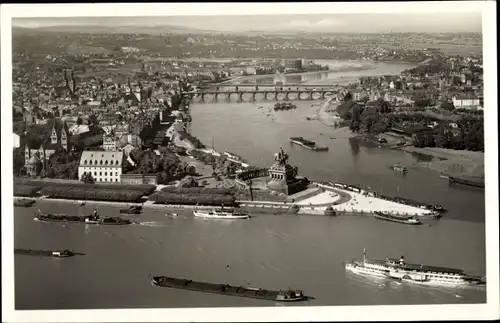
(307, 144)
(23, 202)
(284, 106)
(47, 253)
(398, 269)
(89, 219)
(134, 209)
(227, 214)
(396, 218)
(228, 290)
(466, 182)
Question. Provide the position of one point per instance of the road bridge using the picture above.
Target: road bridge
(262, 95)
(264, 87)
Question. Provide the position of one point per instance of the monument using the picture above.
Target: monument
(283, 177)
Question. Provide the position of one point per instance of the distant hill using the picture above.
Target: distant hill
(95, 29)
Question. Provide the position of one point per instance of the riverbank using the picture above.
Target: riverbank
(449, 162)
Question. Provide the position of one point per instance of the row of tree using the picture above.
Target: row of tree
(167, 164)
(466, 133)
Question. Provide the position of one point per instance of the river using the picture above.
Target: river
(268, 251)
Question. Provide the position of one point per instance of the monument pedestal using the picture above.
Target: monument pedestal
(283, 177)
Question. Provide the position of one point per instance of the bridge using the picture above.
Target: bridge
(266, 95)
(261, 87)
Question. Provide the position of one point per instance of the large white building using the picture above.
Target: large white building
(104, 166)
(466, 102)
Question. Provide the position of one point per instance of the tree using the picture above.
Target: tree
(87, 178)
(93, 121)
(448, 106)
(18, 161)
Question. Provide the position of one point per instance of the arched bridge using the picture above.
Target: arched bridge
(262, 95)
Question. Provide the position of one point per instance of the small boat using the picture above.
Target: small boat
(396, 218)
(82, 203)
(400, 168)
(24, 202)
(228, 214)
(47, 253)
(90, 219)
(228, 290)
(134, 209)
(172, 214)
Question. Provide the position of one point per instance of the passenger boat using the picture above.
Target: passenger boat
(24, 202)
(89, 219)
(307, 144)
(228, 290)
(396, 218)
(47, 253)
(233, 156)
(222, 214)
(134, 209)
(402, 271)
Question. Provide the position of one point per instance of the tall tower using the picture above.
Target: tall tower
(73, 80)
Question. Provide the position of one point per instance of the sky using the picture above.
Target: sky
(358, 23)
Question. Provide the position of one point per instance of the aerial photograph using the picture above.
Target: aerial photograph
(248, 161)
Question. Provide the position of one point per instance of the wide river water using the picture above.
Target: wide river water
(268, 251)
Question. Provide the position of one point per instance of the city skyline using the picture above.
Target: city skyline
(336, 23)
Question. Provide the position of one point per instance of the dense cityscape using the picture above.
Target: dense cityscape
(148, 129)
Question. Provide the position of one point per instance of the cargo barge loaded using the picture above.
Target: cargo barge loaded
(228, 290)
(89, 219)
(47, 253)
(466, 182)
(307, 144)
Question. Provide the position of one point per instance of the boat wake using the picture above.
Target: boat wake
(151, 224)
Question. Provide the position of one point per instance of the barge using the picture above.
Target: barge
(466, 182)
(398, 269)
(284, 106)
(307, 144)
(228, 290)
(396, 218)
(89, 219)
(46, 253)
(134, 209)
(23, 202)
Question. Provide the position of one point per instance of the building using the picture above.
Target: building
(139, 179)
(16, 140)
(122, 130)
(293, 64)
(128, 142)
(58, 139)
(104, 166)
(109, 142)
(463, 101)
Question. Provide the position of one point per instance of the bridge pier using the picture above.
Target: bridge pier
(240, 97)
(202, 99)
